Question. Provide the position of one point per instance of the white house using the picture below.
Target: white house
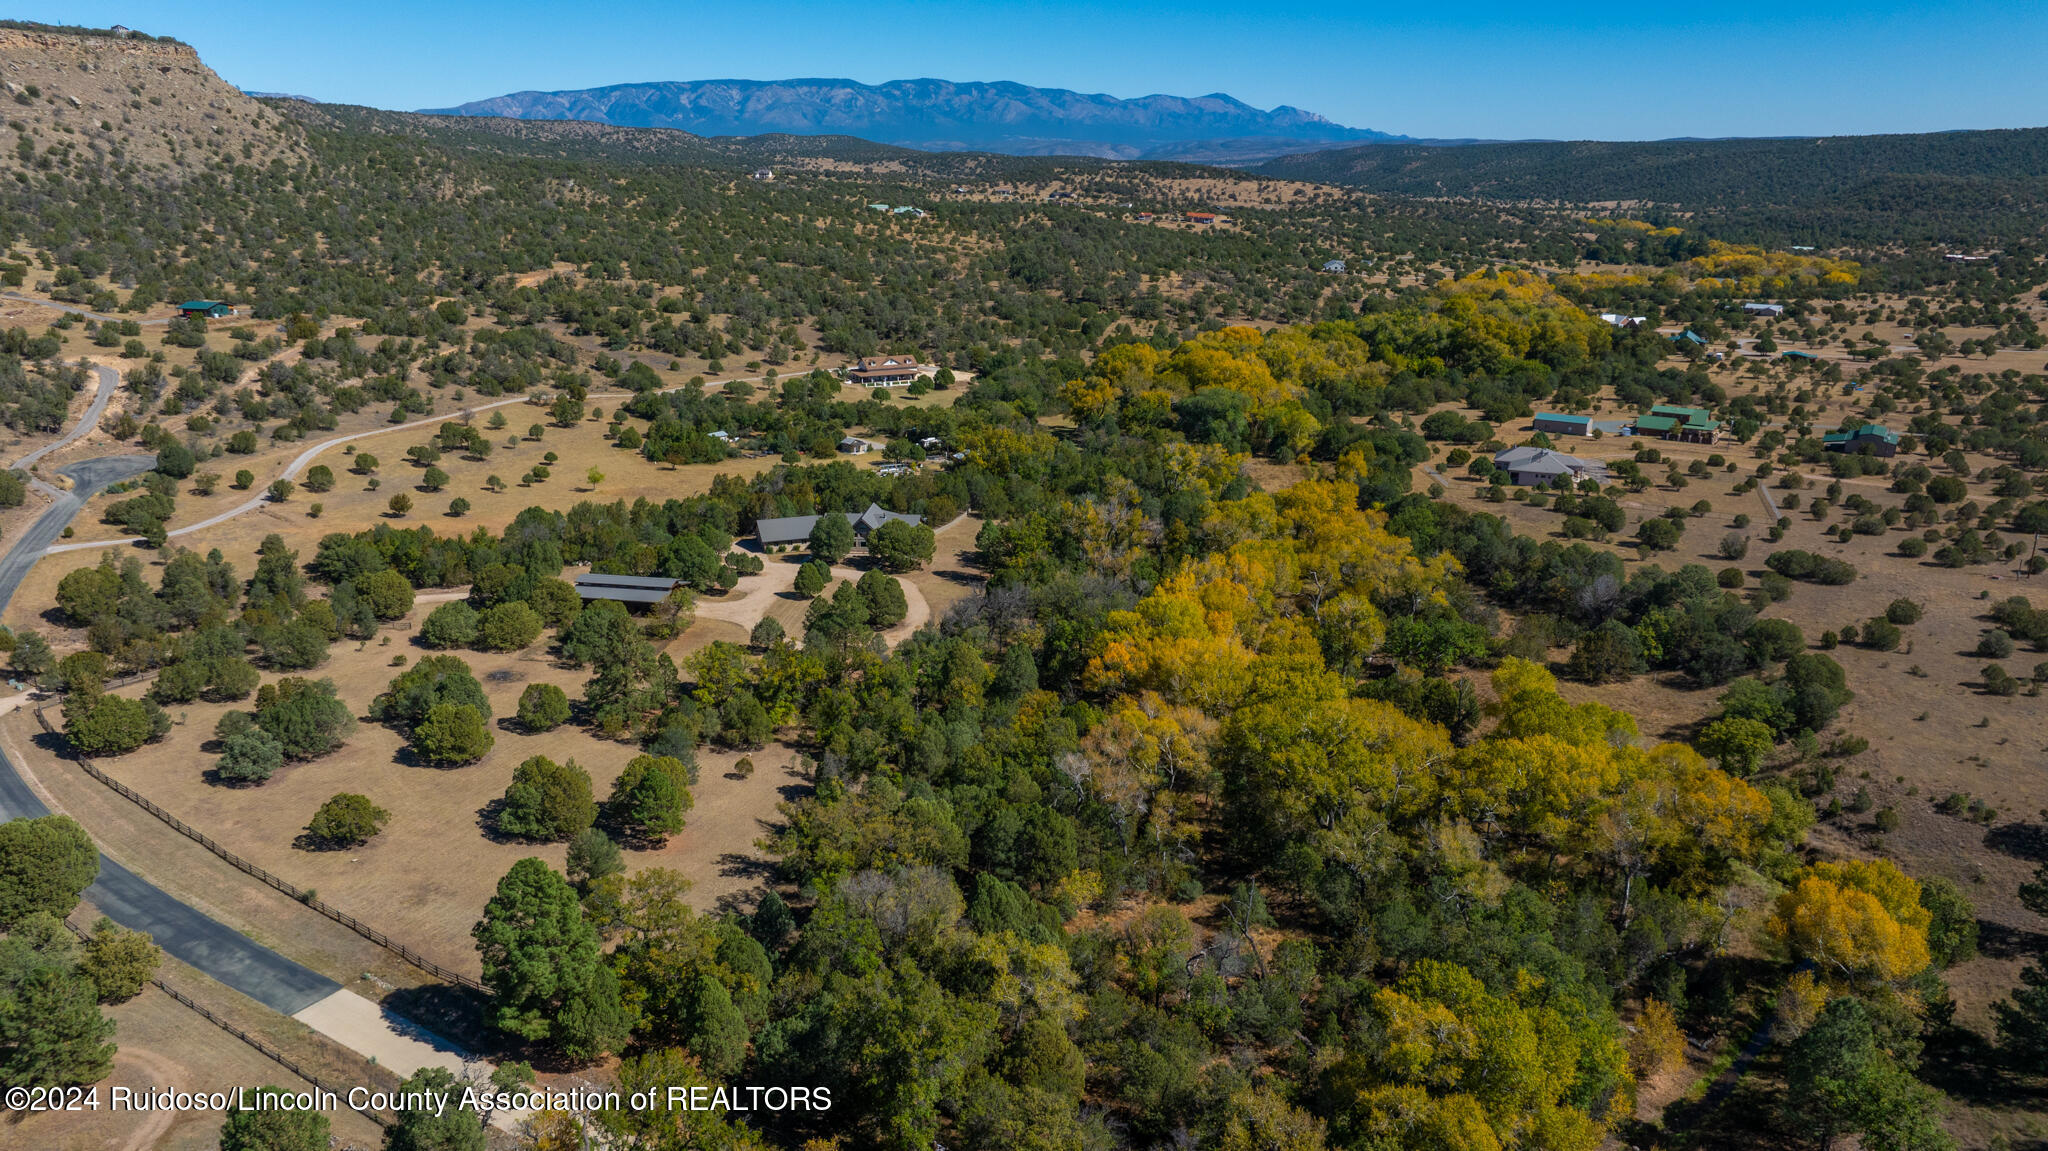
(1763, 309)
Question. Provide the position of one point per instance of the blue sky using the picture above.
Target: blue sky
(1487, 69)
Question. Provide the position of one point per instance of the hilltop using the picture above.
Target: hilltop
(1870, 184)
(943, 116)
(82, 99)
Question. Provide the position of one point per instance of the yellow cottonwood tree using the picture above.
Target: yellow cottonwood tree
(1859, 921)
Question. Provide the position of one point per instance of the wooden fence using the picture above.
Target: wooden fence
(266, 1049)
(303, 896)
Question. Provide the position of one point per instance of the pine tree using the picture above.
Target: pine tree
(546, 965)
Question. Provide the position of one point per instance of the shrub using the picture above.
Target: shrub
(118, 961)
(305, 716)
(347, 820)
(508, 627)
(649, 798)
(812, 577)
(458, 507)
(592, 856)
(1998, 681)
(1912, 547)
(766, 634)
(901, 547)
(743, 722)
(1902, 612)
(450, 625)
(46, 863)
(1882, 634)
(543, 707)
(1730, 578)
(1734, 546)
(1804, 565)
(1658, 534)
(98, 723)
(452, 734)
(388, 593)
(547, 801)
(1739, 744)
(251, 757)
(400, 505)
(884, 598)
(1995, 644)
(319, 479)
(436, 679)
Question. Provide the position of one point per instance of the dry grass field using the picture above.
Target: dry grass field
(427, 876)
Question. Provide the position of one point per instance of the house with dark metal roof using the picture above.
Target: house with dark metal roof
(633, 591)
(1530, 466)
(795, 531)
(1870, 439)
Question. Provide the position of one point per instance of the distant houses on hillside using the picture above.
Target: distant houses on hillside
(884, 371)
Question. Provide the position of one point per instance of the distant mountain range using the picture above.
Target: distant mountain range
(944, 116)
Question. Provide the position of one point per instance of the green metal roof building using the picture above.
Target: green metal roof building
(1674, 422)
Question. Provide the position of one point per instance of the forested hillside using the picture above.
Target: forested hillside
(1948, 186)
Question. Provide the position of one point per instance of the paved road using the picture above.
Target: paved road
(110, 382)
(76, 311)
(126, 898)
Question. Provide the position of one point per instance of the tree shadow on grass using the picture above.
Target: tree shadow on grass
(2028, 841)
(457, 1014)
(1966, 1066)
(2004, 941)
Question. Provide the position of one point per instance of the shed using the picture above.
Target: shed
(1564, 425)
(634, 591)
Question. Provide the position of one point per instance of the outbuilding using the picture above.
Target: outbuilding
(1559, 425)
(206, 309)
(633, 591)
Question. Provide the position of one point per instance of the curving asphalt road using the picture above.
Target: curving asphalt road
(127, 898)
(110, 382)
